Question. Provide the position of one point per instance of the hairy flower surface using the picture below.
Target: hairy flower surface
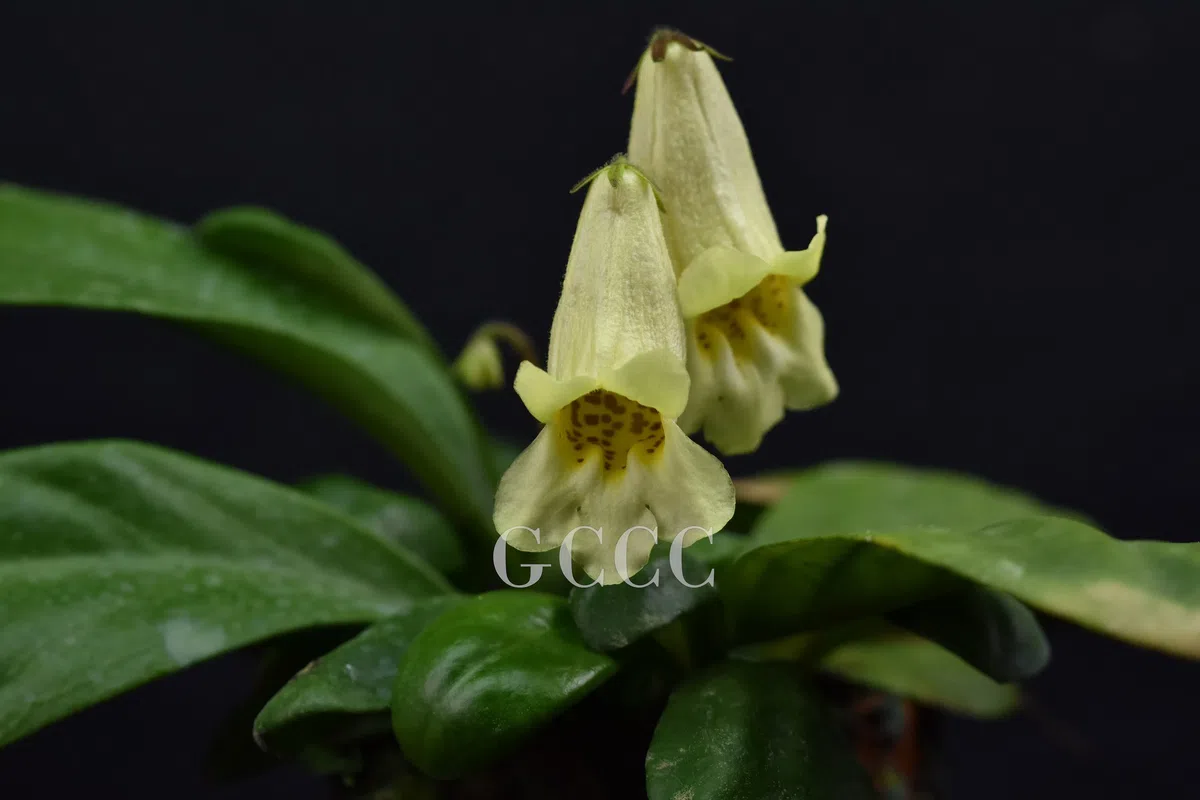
(611, 457)
(755, 341)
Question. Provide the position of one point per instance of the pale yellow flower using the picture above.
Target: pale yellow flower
(611, 456)
(755, 340)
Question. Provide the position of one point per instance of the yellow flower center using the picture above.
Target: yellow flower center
(611, 426)
(770, 305)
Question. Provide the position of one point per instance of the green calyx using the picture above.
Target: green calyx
(615, 169)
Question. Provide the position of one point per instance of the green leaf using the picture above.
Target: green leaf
(396, 517)
(121, 562)
(892, 660)
(611, 617)
(1143, 592)
(232, 753)
(991, 631)
(812, 583)
(61, 251)
(479, 680)
(723, 549)
(743, 731)
(876, 653)
(263, 237)
(324, 704)
(860, 497)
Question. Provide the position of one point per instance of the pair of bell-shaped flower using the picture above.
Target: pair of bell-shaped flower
(680, 311)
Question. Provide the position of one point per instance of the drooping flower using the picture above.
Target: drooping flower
(611, 457)
(755, 340)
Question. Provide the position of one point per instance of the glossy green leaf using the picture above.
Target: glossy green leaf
(262, 237)
(232, 755)
(120, 562)
(863, 496)
(1143, 592)
(743, 731)
(61, 251)
(724, 548)
(876, 653)
(892, 660)
(324, 703)
(992, 631)
(402, 519)
(611, 617)
(482, 677)
(808, 584)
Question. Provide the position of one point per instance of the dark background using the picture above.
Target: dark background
(1009, 285)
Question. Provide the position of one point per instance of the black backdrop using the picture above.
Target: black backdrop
(1009, 285)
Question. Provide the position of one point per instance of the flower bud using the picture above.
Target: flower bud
(480, 366)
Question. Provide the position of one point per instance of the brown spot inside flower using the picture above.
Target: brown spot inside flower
(769, 306)
(607, 432)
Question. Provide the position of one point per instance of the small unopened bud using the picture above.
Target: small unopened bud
(480, 365)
